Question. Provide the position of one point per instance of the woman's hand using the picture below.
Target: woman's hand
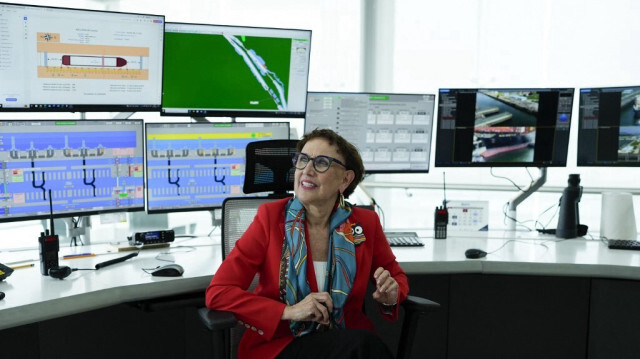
(386, 287)
(315, 307)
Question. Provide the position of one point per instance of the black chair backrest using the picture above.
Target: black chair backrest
(269, 167)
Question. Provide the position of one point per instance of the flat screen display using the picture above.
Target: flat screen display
(609, 127)
(195, 166)
(391, 131)
(212, 70)
(89, 166)
(527, 127)
(58, 59)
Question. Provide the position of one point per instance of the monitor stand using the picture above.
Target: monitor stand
(75, 229)
(513, 204)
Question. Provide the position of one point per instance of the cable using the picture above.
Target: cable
(506, 178)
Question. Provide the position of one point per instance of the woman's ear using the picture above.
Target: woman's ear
(349, 176)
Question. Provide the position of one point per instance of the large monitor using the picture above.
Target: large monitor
(195, 166)
(526, 127)
(212, 70)
(609, 127)
(89, 166)
(392, 131)
(59, 59)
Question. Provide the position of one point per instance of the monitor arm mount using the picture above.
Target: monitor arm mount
(513, 204)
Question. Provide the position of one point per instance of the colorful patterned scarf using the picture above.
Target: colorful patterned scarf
(341, 263)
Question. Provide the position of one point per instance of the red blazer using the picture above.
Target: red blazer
(259, 250)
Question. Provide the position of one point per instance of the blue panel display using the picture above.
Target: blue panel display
(89, 167)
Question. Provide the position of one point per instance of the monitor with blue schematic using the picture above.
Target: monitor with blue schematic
(391, 131)
(527, 127)
(60, 59)
(90, 167)
(195, 166)
(609, 127)
(214, 70)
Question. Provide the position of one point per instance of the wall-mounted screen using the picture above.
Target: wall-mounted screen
(391, 131)
(58, 59)
(609, 127)
(89, 166)
(503, 127)
(195, 166)
(212, 70)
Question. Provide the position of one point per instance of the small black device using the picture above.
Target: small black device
(1, 295)
(60, 272)
(441, 221)
(474, 253)
(152, 237)
(168, 270)
(49, 244)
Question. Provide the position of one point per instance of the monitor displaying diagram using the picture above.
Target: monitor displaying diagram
(195, 166)
(88, 167)
(392, 131)
(212, 70)
(58, 59)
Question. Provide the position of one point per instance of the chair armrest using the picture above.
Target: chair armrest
(419, 305)
(216, 320)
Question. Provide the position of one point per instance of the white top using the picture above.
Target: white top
(321, 273)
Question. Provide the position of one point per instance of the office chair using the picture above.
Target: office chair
(269, 168)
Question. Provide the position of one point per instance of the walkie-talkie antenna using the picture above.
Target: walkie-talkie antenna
(51, 214)
(444, 190)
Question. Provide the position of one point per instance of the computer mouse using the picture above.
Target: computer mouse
(168, 270)
(475, 253)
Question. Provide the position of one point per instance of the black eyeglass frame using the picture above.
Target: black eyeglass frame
(331, 160)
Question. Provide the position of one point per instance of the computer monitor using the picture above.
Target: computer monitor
(60, 59)
(392, 131)
(212, 70)
(195, 166)
(526, 127)
(90, 167)
(609, 127)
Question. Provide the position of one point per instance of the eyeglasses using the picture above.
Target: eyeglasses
(320, 163)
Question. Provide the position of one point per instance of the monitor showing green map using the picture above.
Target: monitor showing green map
(213, 70)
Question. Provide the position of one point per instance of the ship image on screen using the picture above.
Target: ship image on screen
(59, 59)
(503, 127)
(89, 167)
(195, 166)
(391, 131)
(234, 70)
(609, 127)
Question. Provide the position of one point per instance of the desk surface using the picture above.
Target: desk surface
(31, 297)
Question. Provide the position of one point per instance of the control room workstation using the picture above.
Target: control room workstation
(69, 186)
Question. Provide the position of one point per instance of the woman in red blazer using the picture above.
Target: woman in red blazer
(314, 254)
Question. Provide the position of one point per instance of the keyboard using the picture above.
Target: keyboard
(624, 244)
(403, 239)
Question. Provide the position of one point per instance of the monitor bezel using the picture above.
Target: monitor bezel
(86, 212)
(503, 164)
(93, 107)
(200, 208)
(580, 113)
(235, 112)
(431, 132)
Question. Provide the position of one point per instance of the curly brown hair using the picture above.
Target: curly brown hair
(353, 161)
